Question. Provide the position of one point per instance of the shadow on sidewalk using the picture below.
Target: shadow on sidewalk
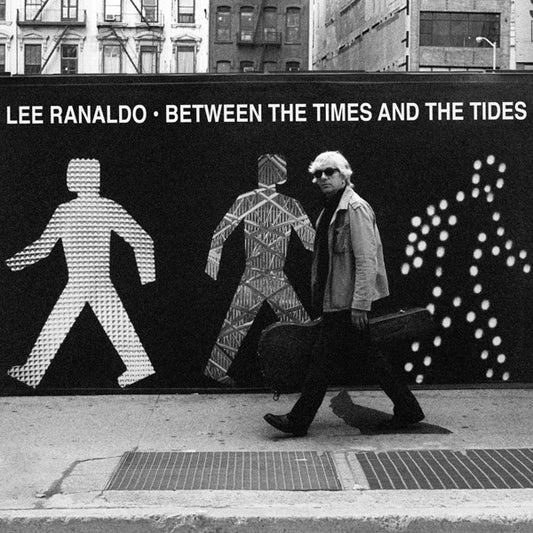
(367, 419)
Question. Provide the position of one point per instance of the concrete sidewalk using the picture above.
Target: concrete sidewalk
(57, 455)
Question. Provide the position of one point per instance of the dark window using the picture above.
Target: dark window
(185, 11)
(270, 24)
(223, 24)
(247, 24)
(69, 9)
(2, 57)
(149, 10)
(112, 63)
(292, 66)
(69, 59)
(247, 66)
(223, 66)
(2, 9)
(32, 59)
(185, 58)
(149, 60)
(270, 66)
(292, 32)
(445, 28)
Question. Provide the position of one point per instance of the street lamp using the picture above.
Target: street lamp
(479, 39)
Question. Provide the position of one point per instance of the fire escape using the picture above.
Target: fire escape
(66, 17)
(264, 39)
(142, 18)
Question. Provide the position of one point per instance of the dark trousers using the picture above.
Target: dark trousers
(338, 343)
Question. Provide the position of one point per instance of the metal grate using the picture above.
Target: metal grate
(447, 469)
(292, 471)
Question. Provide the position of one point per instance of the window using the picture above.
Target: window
(185, 58)
(247, 66)
(149, 60)
(2, 9)
(445, 28)
(270, 24)
(292, 66)
(223, 24)
(149, 10)
(247, 24)
(32, 59)
(113, 10)
(69, 9)
(270, 66)
(292, 32)
(2, 57)
(31, 8)
(185, 11)
(112, 59)
(69, 59)
(223, 66)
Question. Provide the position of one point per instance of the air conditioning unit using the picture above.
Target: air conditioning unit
(111, 18)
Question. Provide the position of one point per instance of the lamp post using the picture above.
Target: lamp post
(479, 39)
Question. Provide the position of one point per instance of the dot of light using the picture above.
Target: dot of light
(501, 358)
(511, 261)
(475, 192)
(477, 253)
(487, 189)
(502, 168)
(437, 291)
(438, 272)
(471, 316)
(415, 346)
(477, 164)
(437, 341)
(430, 210)
(416, 221)
(452, 220)
(482, 237)
(412, 237)
(500, 231)
(490, 197)
(474, 270)
(475, 178)
(443, 205)
(409, 250)
(485, 304)
(446, 322)
(499, 183)
(490, 160)
(493, 322)
(485, 354)
(460, 196)
(431, 308)
(490, 373)
(479, 333)
(419, 378)
(422, 245)
(509, 244)
(440, 251)
(496, 341)
(425, 229)
(418, 262)
(405, 269)
(436, 220)
(495, 250)
(443, 236)
(457, 301)
(496, 216)
(408, 367)
(506, 376)
(523, 254)
(427, 360)
(477, 288)
(527, 269)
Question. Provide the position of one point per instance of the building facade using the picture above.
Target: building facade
(413, 35)
(259, 36)
(524, 34)
(103, 36)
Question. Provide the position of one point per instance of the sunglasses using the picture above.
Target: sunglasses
(327, 171)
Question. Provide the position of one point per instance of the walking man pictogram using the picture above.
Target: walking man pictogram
(84, 226)
(269, 217)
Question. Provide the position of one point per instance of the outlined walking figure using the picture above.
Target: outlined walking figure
(269, 218)
(84, 226)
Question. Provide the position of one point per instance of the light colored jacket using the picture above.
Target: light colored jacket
(357, 275)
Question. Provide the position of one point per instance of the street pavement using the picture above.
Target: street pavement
(57, 454)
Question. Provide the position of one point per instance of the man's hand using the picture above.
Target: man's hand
(359, 319)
